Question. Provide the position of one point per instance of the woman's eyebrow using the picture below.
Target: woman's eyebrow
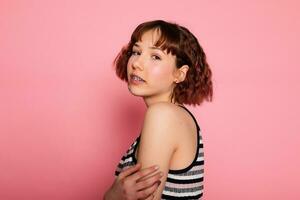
(152, 47)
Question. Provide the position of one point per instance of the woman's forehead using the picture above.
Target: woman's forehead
(150, 36)
(154, 38)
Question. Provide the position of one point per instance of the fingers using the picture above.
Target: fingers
(147, 182)
(150, 197)
(130, 171)
(144, 172)
(148, 193)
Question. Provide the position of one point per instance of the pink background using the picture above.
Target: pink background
(66, 119)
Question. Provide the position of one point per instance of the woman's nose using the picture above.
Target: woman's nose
(137, 64)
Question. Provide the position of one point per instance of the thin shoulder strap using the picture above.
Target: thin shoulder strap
(198, 127)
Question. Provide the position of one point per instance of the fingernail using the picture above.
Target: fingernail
(156, 167)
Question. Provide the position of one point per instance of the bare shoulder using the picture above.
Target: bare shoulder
(159, 141)
(163, 108)
(168, 115)
(169, 112)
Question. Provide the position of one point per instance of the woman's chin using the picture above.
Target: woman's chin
(134, 92)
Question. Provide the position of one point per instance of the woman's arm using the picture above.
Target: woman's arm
(134, 183)
(158, 139)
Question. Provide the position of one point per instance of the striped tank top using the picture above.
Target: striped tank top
(184, 183)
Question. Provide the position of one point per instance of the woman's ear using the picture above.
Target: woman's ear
(181, 73)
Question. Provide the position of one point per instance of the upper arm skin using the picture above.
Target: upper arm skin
(158, 139)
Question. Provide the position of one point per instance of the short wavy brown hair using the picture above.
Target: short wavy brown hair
(178, 40)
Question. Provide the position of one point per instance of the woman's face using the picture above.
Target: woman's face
(154, 66)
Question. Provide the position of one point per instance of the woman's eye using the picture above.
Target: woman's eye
(156, 57)
(134, 52)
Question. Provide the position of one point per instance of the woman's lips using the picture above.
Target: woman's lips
(134, 79)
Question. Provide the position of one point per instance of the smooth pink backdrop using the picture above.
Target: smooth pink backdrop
(66, 119)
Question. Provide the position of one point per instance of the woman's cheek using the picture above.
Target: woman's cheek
(129, 63)
(159, 72)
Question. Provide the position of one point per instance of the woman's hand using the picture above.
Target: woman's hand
(134, 184)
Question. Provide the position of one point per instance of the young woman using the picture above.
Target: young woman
(165, 65)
